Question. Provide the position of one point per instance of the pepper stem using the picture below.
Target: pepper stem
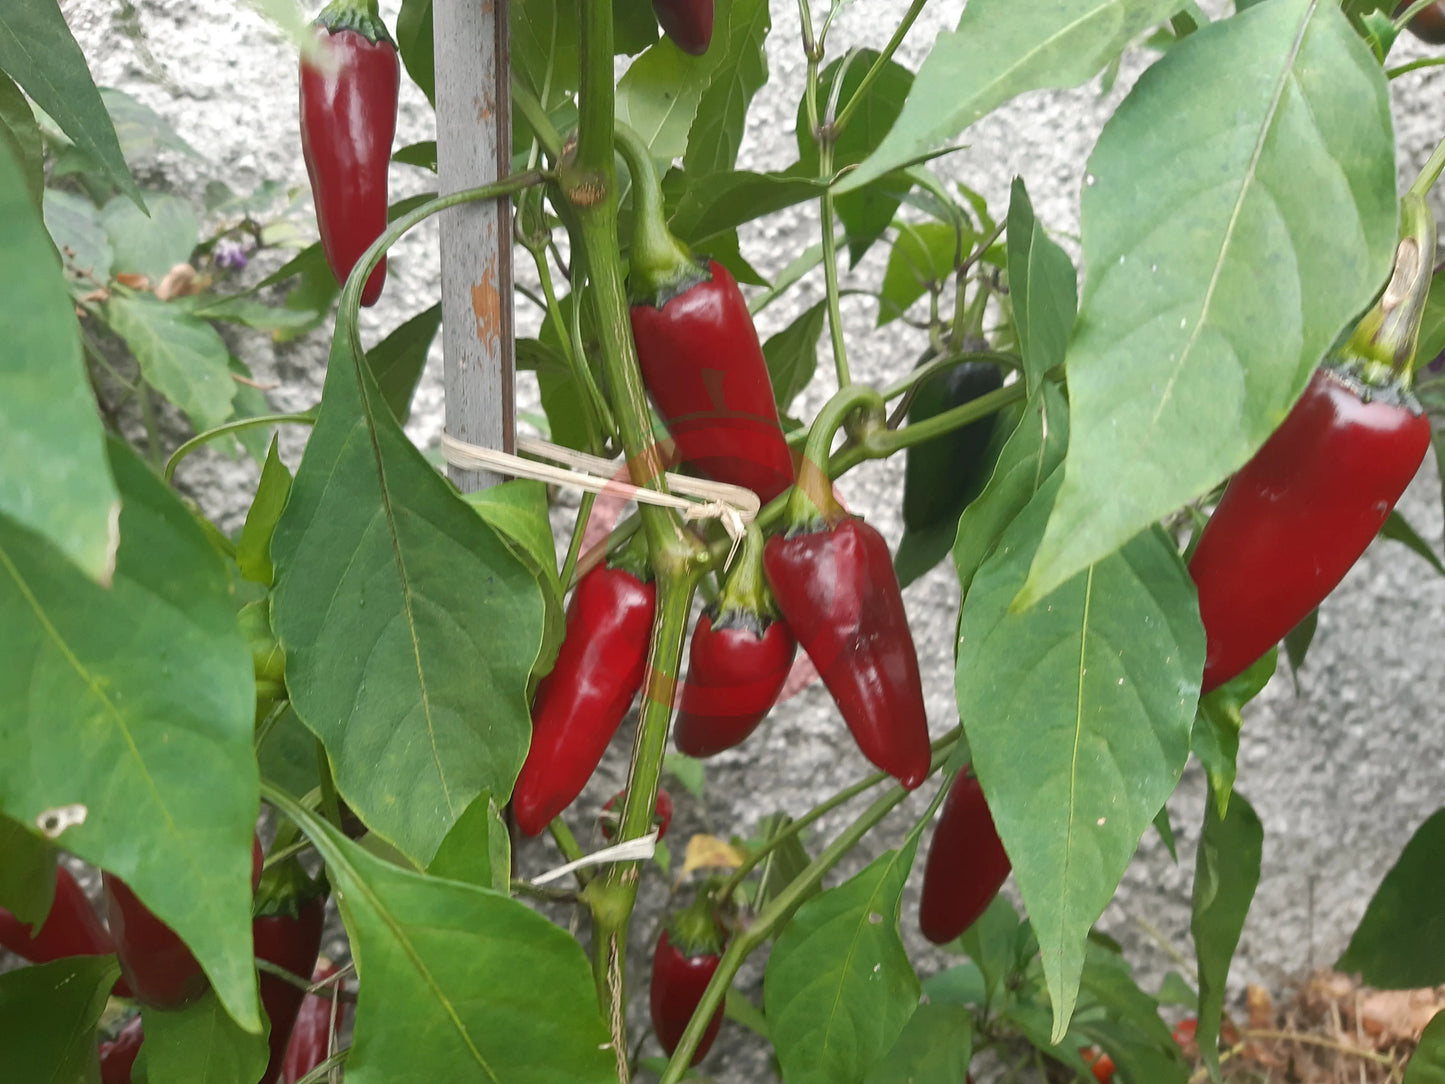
(1386, 338)
(745, 590)
(659, 265)
(812, 501)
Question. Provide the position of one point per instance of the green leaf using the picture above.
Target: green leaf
(423, 155)
(920, 551)
(253, 548)
(716, 205)
(935, 1047)
(490, 984)
(1427, 1064)
(74, 225)
(48, 1015)
(27, 873)
(1398, 529)
(924, 255)
(389, 595)
(53, 476)
(199, 1044)
(398, 360)
(183, 358)
(1165, 828)
(1297, 641)
(38, 52)
(689, 771)
(1400, 943)
(1028, 458)
(1078, 714)
(740, 1010)
(784, 864)
(1042, 288)
(992, 943)
(960, 985)
(478, 850)
(240, 309)
(250, 402)
(151, 244)
(544, 49)
(143, 133)
(414, 43)
(839, 988)
(1226, 873)
(792, 354)
(287, 758)
(722, 111)
(122, 700)
(1131, 1030)
(1432, 323)
(21, 136)
(1238, 211)
(1215, 736)
(1003, 48)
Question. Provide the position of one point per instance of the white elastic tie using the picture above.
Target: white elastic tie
(634, 850)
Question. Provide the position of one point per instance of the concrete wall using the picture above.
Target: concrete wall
(1341, 770)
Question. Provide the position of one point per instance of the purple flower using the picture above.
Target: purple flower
(229, 255)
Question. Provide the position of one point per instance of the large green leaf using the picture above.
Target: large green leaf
(1043, 289)
(460, 982)
(1226, 873)
(53, 475)
(117, 701)
(839, 988)
(1238, 211)
(1427, 1064)
(1400, 943)
(38, 52)
(1077, 714)
(151, 242)
(390, 593)
(1001, 49)
(183, 358)
(722, 111)
(200, 1044)
(48, 1015)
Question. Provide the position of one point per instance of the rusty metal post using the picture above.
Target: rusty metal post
(474, 147)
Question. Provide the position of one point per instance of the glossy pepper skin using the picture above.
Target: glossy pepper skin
(71, 929)
(704, 369)
(837, 591)
(687, 22)
(966, 863)
(291, 941)
(943, 474)
(580, 704)
(737, 665)
(312, 1036)
(348, 121)
(117, 1056)
(1299, 514)
(678, 982)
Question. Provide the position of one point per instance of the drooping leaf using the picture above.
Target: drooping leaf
(839, 988)
(183, 358)
(717, 132)
(1042, 289)
(122, 700)
(48, 1015)
(253, 548)
(1226, 872)
(716, 205)
(414, 43)
(478, 850)
(1215, 736)
(199, 1044)
(792, 354)
(1130, 1029)
(142, 132)
(398, 360)
(1078, 714)
(1398, 529)
(1239, 209)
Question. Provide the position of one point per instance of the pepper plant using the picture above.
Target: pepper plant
(368, 655)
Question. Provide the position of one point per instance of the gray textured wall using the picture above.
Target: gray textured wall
(1340, 771)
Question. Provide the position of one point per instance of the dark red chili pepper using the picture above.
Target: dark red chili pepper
(661, 814)
(1297, 516)
(838, 593)
(687, 22)
(313, 1036)
(580, 704)
(739, 660)
(72, 928)
(687, 955)
(699, 352)
(117, 1056)
(348, 120)
(966, 863)
(292, 941)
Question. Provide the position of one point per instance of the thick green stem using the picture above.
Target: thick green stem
(659, 264)
(579, 531)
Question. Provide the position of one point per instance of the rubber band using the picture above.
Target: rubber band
(633, 850)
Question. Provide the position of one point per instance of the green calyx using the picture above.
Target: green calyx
(660, 267)
(360, 16)
(745, 598)
(1382, 347)
(694, 931)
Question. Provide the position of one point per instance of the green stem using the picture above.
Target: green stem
(947, 361)
(811, 498)
(884, 442)
(1403, 20)
(1431, 172)
(879, 65)
(1414, 65)
(238, 425)
(574, 547)
(567, 844)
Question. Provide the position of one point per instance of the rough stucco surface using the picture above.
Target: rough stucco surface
(1341, 770)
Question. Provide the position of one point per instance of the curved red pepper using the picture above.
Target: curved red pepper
(737, 666)
(678, 982)
(1300, 513)
(291, 941)
(313, 1036)
(966, 864)
(838, 593)
(72, 928)
(117, 1056)
(661, 814)
(580, 704)
(687, 22)
(348, 121)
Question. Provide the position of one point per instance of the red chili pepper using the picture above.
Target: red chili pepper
(348, 120)
(837, 590)
(966, 863)
(291, 941)
(687, 22)
(661, 814)
(313, 1036)
(1102, 1064)
(72, 928)
(117, 1056)
(580, 704)
(1299, 514)
(687, 954)
(739, 660)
